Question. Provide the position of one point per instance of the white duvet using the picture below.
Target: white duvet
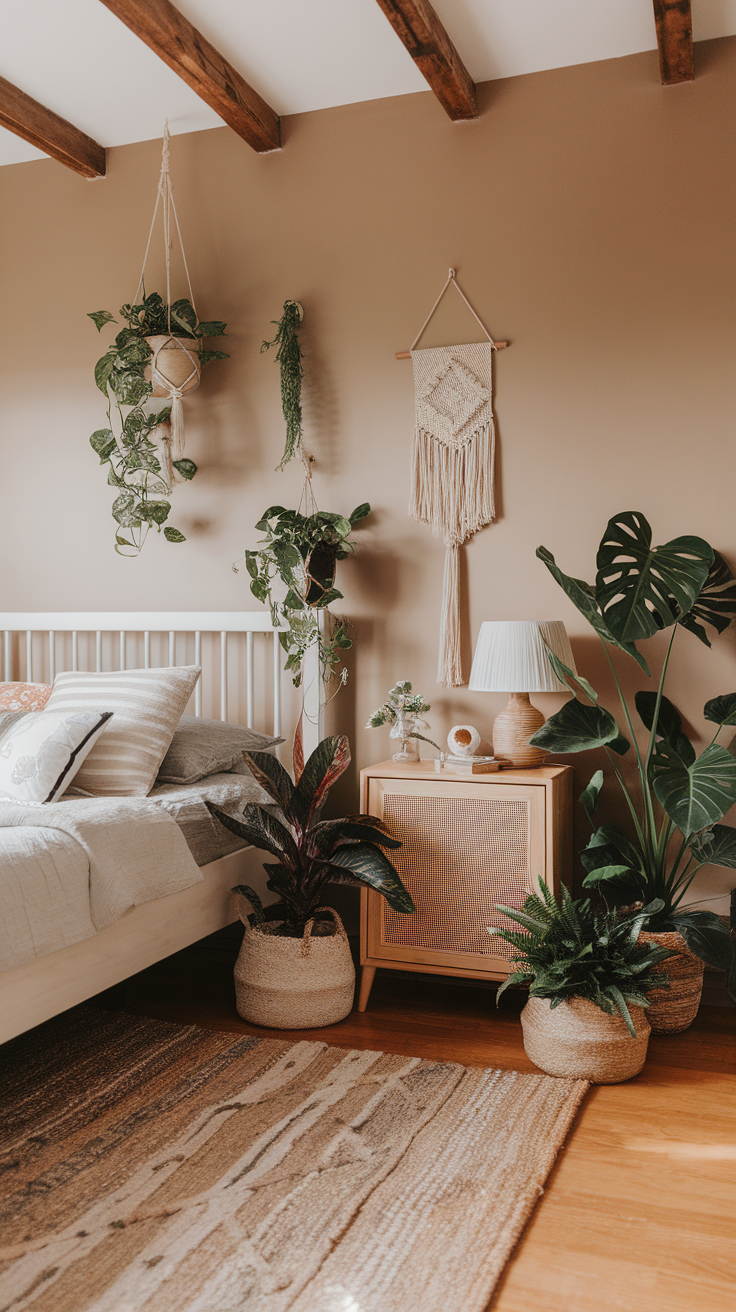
(70, 868)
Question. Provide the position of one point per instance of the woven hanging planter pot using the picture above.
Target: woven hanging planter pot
(674, 1009)
(578, 1041)
(174, 365)
(294, 983)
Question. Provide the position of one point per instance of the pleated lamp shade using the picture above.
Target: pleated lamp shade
(511, 656)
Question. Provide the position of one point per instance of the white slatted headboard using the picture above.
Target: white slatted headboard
(38, 645)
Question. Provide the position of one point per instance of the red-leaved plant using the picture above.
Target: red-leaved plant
(311, 853)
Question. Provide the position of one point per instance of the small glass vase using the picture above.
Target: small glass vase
(401, 728)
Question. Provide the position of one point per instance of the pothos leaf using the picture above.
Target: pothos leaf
(173, 534)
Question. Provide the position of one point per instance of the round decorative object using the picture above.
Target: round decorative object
(174, 365)
(672, 1010)
(294, 983)
(578, 1041)
(463, 740)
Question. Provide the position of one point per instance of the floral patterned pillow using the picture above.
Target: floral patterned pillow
(24, 696)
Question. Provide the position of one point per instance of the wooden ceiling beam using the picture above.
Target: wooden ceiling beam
(673, 19)
(28, 119)
(173, 38)
(418, 27)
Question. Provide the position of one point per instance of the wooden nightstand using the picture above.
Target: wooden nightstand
(470, 841)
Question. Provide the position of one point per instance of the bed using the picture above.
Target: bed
(240, 658)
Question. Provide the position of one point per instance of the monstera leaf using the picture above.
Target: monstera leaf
(698, 795)
(716, 604)
(669, 728)
(581, 595)
(579, 728)
(721, 710)
(716, 846)
(637, 583)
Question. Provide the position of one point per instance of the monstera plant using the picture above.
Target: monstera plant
(679, 798)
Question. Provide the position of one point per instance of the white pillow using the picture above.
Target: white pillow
(42, 751)
(147, 705)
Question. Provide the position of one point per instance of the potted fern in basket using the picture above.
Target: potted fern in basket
(297, 972)
(589, 979)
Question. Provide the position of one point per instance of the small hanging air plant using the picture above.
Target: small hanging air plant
(289, 356)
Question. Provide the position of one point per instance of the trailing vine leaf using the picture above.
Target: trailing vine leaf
(100, 318)
(127, 445)
(289, 357)
(301, 551)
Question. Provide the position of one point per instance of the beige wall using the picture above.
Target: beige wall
(590, 215)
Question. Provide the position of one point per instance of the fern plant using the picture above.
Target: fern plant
(568, 951)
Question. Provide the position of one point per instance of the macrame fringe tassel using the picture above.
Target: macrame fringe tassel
(167, 468)
(452, 486)
(449, 668)
(177, 427)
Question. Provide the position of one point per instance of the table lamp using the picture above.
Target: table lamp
(511, 656)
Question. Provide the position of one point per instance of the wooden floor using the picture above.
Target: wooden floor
(638, 1215)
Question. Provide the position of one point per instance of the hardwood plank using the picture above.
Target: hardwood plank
(673, 20)
(32, 121)
(427, 41)
(637, 1211)
(178, 43)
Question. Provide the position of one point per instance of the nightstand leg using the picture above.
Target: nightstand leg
(367, 976)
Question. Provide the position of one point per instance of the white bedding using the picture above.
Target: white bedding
(70, 868)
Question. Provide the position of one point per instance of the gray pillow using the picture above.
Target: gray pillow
(203, 747)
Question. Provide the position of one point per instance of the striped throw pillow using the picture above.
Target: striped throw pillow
(146, 706)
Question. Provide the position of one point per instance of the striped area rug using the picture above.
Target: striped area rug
(150, 1167)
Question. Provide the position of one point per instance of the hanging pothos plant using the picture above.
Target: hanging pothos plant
(289, 356)
(302, 551)
(127, 444)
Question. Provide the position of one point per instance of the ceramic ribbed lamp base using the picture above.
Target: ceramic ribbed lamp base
(512, 730)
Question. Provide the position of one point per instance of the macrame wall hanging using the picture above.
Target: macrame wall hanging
(452, 467)
(176, 365)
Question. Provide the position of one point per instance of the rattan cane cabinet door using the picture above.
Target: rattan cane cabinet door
(466, 847)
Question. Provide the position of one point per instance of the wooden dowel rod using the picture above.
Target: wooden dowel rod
(406, 355)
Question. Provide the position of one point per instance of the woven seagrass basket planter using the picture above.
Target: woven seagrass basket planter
(674, 1009)
(578, 1041)
(174, 364)
(294, 983)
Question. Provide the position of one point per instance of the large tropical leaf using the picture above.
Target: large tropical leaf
(568, 676)
(589, 796)
(328, 761)
(579, 728)
(258, 916)
(582, 595)
(706, 936)
(637, 583)
(272, 776)
(372, 867)
(329, 834)
(721, 710)
(262, 830)
(698, 795)
(716, 846)
(669, 726)
(716, 604)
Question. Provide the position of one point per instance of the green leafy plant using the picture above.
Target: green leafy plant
(289, 357)
(302, 551)
(567, 950)
(679, 798)
(311, 853)
(127, 445)
(400, 701)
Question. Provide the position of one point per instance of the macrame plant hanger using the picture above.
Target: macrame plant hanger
(453, 459)
(182, 368)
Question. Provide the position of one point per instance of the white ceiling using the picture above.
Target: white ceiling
(79, 60)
